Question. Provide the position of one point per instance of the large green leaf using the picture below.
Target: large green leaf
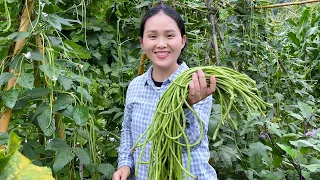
(10, 98)
(4, 137)
(5, 77)
(80, 115)
(58, 144)
(292, 152)
(66, 82)
(62, 158)
(256, 152)
(15, 166)
(294, 38)
(62, 101)
(83, 92)
(312, 167)
(5, 154)
(26, 80)
(106, 169)
(83, 155)
(304, 143)
(21, 168)
(35, 55)
(76, 50)
(305, 109)
(50, 71)
(21, 35)
(36, 92)
(46, 122)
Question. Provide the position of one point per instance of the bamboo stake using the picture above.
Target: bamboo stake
(286, 4)
(24, 24)
(214, 34)
(142, 63)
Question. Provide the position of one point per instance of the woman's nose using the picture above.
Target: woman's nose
(162, 43)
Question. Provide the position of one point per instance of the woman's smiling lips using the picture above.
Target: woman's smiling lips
(162, 54)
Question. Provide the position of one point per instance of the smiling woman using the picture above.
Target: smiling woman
(163, 37)
(162, 42)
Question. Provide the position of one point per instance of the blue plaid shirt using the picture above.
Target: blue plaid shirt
(141, 101)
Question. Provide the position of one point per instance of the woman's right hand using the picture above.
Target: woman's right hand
(122, 173)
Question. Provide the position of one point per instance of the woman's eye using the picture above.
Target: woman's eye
(152, 36)
(170, 35)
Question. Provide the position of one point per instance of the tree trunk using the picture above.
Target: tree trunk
(24, 24)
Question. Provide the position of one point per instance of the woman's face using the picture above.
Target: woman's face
(162, 41)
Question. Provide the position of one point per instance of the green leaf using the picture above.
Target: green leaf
(58, 145)
(79, 78)
(311, 31)
(10, 98)
(12, 35)
(301, 143)
(39, 110)
(21, 35)
(277, 160)
(234, 59)
(82, 155)
(305, 109)
(84, 93)
(304, 143)
(50, 71)
(75, 50)
(55, 24)
(5, 77)
(28, 151)
(62, 158)
(26, 80)
(292, 152)
(294, 38)
(36, 92)
(111, 111)
(62, 101)
(97, 55)
(256, 153)
(46, 122)
(5, 154)
(35, 55)
(143, 4)
(304, 17)
(312, 167)
(297, 116)
(272, 175)
(66, 82)
(80, 115)
(106, 169)
(4, 137)
(20, 168)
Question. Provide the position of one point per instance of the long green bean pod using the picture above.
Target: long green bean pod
(167, 129)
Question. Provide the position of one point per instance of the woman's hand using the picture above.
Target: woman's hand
(198, 89)
(122, 173)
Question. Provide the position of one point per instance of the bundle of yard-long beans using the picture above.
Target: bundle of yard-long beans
(167, 130)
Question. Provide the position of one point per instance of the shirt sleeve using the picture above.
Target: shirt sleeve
(125, 156)
(203, 109)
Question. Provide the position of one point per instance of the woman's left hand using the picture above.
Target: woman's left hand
(198, 89)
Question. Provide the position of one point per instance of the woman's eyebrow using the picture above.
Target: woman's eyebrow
(154, 31)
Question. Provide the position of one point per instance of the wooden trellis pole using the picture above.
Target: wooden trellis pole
(24, 24)
(286, 4)
(214, 34)
(142, 63)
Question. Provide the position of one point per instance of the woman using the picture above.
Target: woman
(163, 37)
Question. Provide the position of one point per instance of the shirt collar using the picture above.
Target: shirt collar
(148, 75)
